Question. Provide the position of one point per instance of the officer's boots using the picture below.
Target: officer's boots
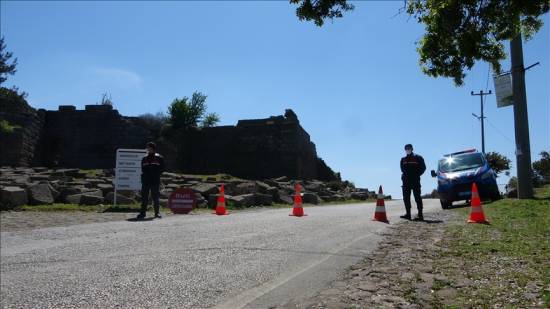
(420, 217)
(407, 215)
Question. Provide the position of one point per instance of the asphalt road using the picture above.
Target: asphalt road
(251, 259)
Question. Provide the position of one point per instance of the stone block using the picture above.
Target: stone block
(86, 199)
(13, 196)
(40, 194)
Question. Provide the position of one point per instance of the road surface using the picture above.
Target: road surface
(250, 259)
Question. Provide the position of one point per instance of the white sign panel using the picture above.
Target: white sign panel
(128, 169)
(503, 90)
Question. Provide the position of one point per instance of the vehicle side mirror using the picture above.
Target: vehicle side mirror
(434, 174)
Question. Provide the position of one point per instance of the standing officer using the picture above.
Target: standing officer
(152, 166)
(412, 167)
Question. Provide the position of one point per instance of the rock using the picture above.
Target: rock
(360, 195)
(285, 198)
(205, 189)
(13, 196)
(172, 186)
(311, 198)
(170, 175)
(271, 183)
(263, 199)
(244, 200)
(165, 193)
(38, 177)
(20, 179)
(245, 188)
(77, 198)
(66, 191)
(55, 193)
(105, 188)
(281, 179)
(90, 200)
(40, 194)
(213, 200)
(211, 179)
(314, 186)
(201, 201)
(72, 199)
(72, 172)
(120, 199)
(368, 286)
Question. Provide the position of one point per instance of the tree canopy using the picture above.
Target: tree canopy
(6, 68)
(498, 162)
(458, 33)
(186, 113)
(542, 167)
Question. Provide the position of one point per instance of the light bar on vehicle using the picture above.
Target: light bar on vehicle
(460, 152)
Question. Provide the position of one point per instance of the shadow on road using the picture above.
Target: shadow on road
(139, 220)
(432, 221)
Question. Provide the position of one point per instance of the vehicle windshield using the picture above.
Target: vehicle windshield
(460, 162)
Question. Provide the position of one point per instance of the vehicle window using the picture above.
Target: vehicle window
(460, 162)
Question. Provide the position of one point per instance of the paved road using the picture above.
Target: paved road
(253, 259)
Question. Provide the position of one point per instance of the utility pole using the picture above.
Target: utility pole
(482, 117)
(521, 121)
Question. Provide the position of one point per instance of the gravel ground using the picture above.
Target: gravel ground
(195, 261)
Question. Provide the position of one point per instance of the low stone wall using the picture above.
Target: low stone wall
(40, 185)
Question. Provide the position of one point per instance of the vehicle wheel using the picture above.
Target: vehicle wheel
(446, 204)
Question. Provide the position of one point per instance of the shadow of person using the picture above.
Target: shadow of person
(139, 220)
(432, 221)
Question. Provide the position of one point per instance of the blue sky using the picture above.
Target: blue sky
(354, 83)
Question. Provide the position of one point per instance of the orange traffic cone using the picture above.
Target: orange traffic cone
(380, 212)
(220, 206)
(297, 209)
(476, 214)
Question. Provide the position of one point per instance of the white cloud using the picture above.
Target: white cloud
(119, 78)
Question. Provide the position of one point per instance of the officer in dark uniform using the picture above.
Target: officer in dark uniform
(152, 166)
(412, 167)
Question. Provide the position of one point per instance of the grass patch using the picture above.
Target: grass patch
(93, 173)
(7, 127)
(59, 207)
(506, 260)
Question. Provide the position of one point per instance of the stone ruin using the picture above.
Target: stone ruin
(88, 139)
(68, 156)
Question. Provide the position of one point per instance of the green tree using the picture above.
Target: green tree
(6, 68)
(512, 183)
(541, 167)
(186, 113)
(210, 120)
(498, 162)
(458, 33)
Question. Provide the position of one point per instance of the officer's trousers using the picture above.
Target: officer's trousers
(154, 188)
(415, 188)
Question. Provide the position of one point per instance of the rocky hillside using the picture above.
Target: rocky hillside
(40, 185)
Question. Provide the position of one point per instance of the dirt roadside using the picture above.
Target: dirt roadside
(413, 268)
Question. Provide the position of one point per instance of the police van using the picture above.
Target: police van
(457, 171)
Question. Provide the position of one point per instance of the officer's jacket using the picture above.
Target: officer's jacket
(152, 167)
(412, 167)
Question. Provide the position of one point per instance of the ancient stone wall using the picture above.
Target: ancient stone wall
(87, 138)
(253, 149)
(17, 148)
